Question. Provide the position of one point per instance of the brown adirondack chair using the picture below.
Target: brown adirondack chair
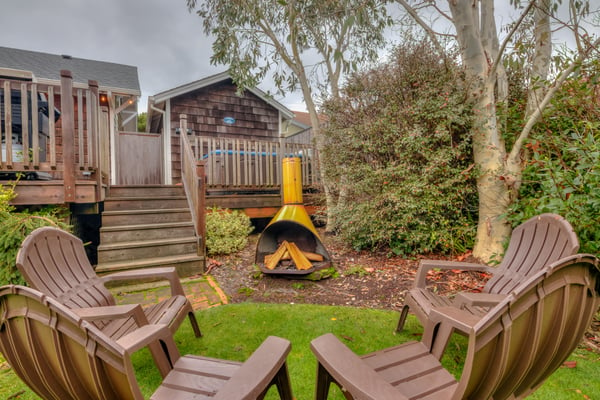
(511, 350)
(61, 356)
(54, 262)
(533, 245)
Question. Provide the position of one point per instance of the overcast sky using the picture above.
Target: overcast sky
(160, 37)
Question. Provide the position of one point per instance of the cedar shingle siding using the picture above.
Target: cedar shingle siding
(208, 107)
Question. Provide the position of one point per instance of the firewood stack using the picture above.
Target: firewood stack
(288, 255)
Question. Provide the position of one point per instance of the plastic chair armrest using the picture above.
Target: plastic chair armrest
(468, 299)
(254, 376)
(143, 336)
(442, 323)
(168, 273)
(350, 372)
(113, 312)
(152, 336)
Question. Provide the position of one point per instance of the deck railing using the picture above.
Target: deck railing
(247, 164)
(193, 179)
(50, 128)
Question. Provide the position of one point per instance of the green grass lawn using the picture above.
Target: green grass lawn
(234, 331)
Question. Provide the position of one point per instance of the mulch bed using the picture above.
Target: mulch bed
(363, 279)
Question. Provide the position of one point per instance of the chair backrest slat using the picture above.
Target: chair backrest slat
(534, 244)
(54, 262)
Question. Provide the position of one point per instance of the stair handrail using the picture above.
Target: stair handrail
(193, 180)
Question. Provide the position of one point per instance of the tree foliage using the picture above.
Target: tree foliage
(16, 225)
(142, 121)
(562, 175)
(398, 142)
(297, 44)
(293, 39)
(486, 50)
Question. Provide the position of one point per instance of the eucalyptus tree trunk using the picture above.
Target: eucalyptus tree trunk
(499, 171)
(478, 41)
(493, 187)
(316, 131)
(541, 58)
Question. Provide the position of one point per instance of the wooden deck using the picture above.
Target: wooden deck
(67, 161)
(62, 146)
(247, 174)
(31, 192)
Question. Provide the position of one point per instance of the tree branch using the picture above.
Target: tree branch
(509, 37)
(430, 32)
(537, 113)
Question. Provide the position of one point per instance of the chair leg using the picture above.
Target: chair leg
(284, 386)
(323, 383)
(194, 323)
(282, 381)
(439, 340)
(402, 319)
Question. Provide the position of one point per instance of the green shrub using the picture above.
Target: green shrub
(16, 226)
(563, 172)
(398, 145)
(226, 231)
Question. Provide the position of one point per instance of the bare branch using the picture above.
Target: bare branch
(508, 38)
(430, 32)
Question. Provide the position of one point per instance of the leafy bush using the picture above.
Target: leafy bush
(226, 231)
(398, 145)
(563, 173)
(15, 227)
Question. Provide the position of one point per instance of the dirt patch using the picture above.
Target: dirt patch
(362, 279)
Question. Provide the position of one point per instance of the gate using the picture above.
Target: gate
(139, 159)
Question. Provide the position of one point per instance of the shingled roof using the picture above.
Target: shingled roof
(44, 66)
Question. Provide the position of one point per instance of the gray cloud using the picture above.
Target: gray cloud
(161, 38)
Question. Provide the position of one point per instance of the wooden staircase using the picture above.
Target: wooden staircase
(148, 226)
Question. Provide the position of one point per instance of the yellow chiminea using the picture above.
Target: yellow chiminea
(291, 239)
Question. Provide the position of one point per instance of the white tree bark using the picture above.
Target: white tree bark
(541, 58)
(500, 169)
(478, 40)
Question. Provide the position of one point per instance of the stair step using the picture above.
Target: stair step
(126, 233)
(128, 217)
(186, 265)
(144, 203)
(146, 191)
(147, 248)
(148, 226)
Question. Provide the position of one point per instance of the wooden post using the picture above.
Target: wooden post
(35, 128)
(182, 141)
(201, 211)
(25, 118)
(8, 123)
(94, 142)
(68, 134)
